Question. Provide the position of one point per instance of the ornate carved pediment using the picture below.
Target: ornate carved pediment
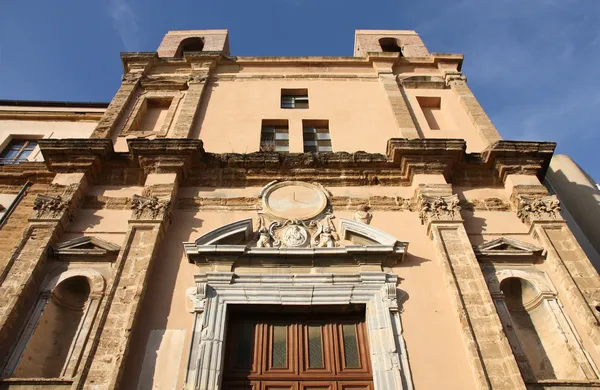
(308, 231)
(507, 249)
(86, 249)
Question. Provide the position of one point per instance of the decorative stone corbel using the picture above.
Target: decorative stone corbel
(149, 208)
(438, 208)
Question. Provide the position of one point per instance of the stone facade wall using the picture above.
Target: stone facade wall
(443, 217)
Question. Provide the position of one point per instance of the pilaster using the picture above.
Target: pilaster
(147, 227)
(135, 65)
(571, 267)
(399, 106)
(19, 281)
(492, 361)
(201, 66)
(484, 126)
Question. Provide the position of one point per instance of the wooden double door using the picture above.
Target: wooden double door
(297, 351)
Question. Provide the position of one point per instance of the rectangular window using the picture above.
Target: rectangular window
(17, 151)
(294, 98)
(316, 136)
(431, 107)
(274, 136)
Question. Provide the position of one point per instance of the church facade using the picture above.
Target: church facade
(316, 223)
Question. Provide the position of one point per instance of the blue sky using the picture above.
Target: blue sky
(533, 64)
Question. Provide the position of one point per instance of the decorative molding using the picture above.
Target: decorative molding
(149, 208)
(49, 207)
(532, 209)
(487, 204)
(216, 291)
(237, 240)
(363, 215)
(505, 249)
(131, 78)
(438, 208)
(86, 248)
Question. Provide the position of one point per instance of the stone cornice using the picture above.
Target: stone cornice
(165, 155)
(75, 154)
(404, 159)
(51, 116)
(519, 157)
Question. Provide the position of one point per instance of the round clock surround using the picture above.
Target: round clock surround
(294, 200)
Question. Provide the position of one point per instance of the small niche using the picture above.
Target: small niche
(431, 106)
(153, 114)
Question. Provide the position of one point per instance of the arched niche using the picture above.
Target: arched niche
(52, 342)
(545, 344)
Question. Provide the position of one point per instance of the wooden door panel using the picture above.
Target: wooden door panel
(282, 385)
(280, 353)
(317, 385)
(351, 348)
(354, 385)
(243, 346)
(316, 349)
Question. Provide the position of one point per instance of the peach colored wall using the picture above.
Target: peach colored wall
(431, 326)
(30, 129)
(231, 114)
(457, 123)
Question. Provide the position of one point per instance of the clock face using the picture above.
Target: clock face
(294, 200)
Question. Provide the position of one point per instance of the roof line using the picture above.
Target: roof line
(49, 103)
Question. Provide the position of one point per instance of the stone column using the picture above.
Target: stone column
(117, 106)
(21, 278)
(399, 105)
(189, 108)
(146, 229)
(494, 366)
(570, 266)
(482, 123)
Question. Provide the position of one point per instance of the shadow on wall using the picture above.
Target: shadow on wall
(151, 334)
(206, 95)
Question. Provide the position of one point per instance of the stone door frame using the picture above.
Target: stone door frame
(377, 290)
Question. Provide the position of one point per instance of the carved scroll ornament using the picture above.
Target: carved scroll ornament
(438, 208)
(295, 233)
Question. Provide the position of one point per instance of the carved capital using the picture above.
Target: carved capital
(438, 208)
(49, 207)
(531, 209)
(131, 78)
(197, 78)
(149, 208)
(455, 79)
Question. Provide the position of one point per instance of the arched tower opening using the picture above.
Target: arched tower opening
(192, 44)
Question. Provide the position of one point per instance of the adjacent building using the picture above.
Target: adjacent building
(327, 223)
